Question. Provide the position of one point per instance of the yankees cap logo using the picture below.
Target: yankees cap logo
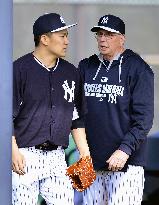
(62, 20)
(104, 20)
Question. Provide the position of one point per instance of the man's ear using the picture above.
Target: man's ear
(122, 39)
(44, 39)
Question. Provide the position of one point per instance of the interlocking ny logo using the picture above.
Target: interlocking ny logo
(62, 20)
(105, 20)
(69, 91)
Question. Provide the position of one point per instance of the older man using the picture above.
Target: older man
(119, 91)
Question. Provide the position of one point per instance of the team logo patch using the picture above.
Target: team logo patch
(104, 79)
(69, 91)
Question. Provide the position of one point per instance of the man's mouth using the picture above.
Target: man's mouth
(103, 47)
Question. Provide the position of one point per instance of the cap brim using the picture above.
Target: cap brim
(97, 28)
(63, 28)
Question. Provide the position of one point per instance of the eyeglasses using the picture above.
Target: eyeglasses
(109, 35)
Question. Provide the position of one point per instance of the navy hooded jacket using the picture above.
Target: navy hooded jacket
(120, 100)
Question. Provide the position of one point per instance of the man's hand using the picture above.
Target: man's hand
(117, 160)
(18, 161)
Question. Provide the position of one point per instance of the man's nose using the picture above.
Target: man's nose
(66, 40)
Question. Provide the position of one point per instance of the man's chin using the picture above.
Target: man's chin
(62, 55)
(103, 52)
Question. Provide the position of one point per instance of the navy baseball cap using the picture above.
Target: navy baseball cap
(110, 23)
(49, 22)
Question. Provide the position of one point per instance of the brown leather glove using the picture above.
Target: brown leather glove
(81, 173)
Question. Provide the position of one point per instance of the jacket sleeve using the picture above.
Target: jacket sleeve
(141, 109)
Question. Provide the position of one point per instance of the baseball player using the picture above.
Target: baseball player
(48, 102)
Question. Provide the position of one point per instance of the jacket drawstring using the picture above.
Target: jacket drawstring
(110, 63)
(121, 59)
(100, 65)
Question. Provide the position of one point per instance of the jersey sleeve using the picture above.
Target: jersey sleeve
(80, 108)
(18, 88)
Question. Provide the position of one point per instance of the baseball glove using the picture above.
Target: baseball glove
(81, 173)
